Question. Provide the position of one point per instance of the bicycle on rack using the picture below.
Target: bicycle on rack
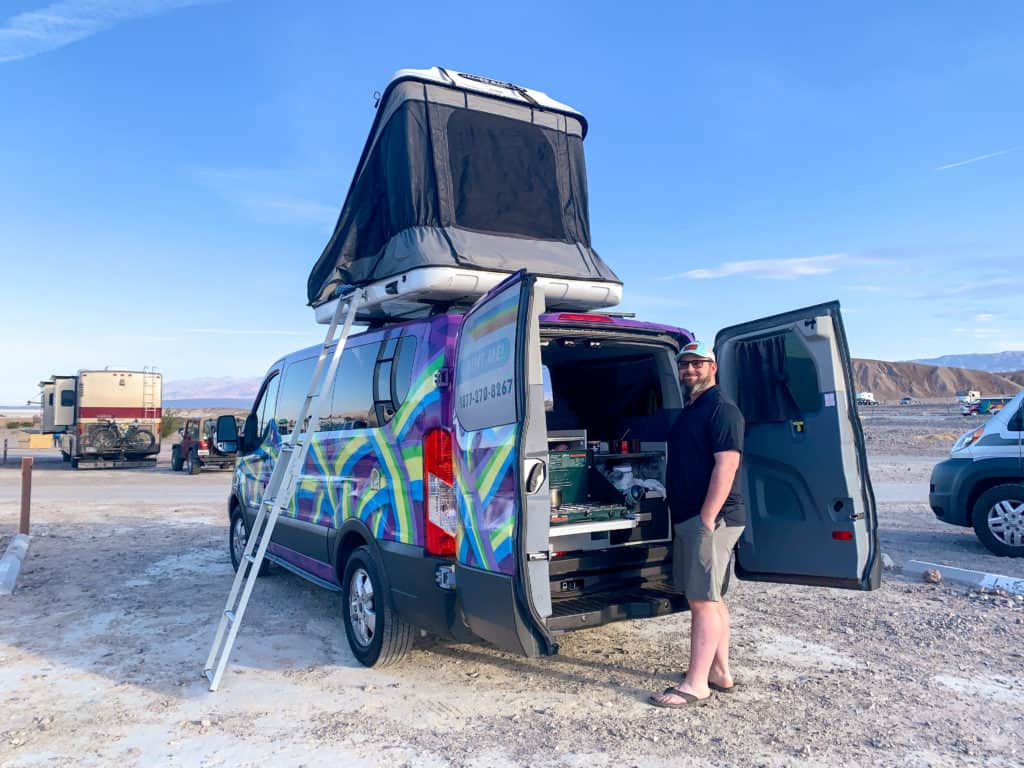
(134, 439)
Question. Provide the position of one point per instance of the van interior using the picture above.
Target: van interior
(610, 536)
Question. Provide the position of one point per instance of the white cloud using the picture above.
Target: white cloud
(66, 21)
(977, 159)
(771, 269)
(984, 317)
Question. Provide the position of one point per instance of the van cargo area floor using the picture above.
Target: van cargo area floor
(604, 607)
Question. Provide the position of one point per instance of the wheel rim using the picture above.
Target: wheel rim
(1006, 522)
(238, 539)
(361, 609)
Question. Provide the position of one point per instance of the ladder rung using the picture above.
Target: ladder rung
(251, 558)
(230, 615)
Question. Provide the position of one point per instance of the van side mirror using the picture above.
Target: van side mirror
(227, 434)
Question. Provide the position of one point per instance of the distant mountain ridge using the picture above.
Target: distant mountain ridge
(213, 387)
(993, 362)
(891, 381)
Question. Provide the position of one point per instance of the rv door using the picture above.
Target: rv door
(811, 509)
(65, 401)
(500, 460)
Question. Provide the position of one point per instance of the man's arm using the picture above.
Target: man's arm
(727, 463)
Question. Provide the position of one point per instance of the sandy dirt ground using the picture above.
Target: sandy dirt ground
(103, 642)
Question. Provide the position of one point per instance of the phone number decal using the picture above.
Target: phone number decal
(493, 391)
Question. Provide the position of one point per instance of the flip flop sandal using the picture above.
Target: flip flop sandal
(715, 686)
(689, 700)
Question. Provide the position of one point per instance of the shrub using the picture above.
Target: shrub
(169, 424)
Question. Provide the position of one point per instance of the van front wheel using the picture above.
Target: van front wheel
(998, 519)
(376, 634)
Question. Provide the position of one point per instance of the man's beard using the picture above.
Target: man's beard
(700, 386)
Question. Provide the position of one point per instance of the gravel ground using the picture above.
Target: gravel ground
(102, 644)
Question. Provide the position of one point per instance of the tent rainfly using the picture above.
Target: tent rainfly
(468, 173)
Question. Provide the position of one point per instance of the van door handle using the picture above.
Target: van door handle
(536, 472)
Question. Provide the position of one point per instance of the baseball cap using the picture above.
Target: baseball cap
(696, 349)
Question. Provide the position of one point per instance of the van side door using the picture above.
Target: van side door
(500, 469)
(811, 508)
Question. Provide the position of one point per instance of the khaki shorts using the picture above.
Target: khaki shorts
(701, 558)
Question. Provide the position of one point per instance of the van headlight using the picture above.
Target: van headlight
(969, 439)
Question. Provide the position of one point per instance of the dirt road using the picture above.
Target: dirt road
(102, 645)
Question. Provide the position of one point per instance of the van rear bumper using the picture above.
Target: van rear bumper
(416, 595)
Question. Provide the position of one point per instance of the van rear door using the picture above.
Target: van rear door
(811, 508)
(500, 461)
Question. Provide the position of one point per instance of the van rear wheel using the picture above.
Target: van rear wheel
(376, 634)
(998, 519)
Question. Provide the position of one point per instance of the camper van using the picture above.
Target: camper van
(489, 461)
(981, 484)
(105, 418)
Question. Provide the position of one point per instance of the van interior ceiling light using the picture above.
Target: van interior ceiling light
(440, 511)
(594, 344)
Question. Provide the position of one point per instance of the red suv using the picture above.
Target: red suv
(198, 447)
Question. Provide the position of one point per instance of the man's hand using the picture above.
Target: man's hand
(727, 464)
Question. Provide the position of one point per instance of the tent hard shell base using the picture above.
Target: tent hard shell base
(421, 292)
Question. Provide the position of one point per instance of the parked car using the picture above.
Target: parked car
(425, 497)
(908, 401)
(981, 484)
(199, 448)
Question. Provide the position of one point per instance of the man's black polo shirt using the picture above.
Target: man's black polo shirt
(703, 428)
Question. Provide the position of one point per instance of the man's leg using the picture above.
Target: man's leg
(705, 639)
(720, 673)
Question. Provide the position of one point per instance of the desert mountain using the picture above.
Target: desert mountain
(992, 362)
(891, 381)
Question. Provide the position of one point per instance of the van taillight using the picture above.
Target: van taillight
(204, 445)
(440, 513)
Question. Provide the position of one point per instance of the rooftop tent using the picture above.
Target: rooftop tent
(468, 173)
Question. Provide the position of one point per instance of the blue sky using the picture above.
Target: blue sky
(171, 169)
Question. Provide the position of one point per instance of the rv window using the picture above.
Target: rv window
(67, 398)
(51, 398)
(264, 409)
(504, 177)
(352, 399)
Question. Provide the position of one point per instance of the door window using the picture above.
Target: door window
(297, 378)
(192, 429)
(1017, 422)
(265, 408)
(67, 397)
(777, 379)
(393, 377)
(485, 370)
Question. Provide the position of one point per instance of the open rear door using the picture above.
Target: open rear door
(500, 459)
(810, 505)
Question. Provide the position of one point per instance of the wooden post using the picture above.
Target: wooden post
(26, 492)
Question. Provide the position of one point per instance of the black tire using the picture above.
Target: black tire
(192, 465)
(104, 440)
(176, 462)
(238, 535)
(65, 456)
(141, 441)
(998, 519)
(376, 634)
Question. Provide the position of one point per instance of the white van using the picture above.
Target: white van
(981, 484)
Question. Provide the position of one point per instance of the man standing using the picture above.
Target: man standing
(708, 516)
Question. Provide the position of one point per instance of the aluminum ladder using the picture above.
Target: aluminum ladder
(279, 491)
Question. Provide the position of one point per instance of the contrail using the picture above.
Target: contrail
(977, 159)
